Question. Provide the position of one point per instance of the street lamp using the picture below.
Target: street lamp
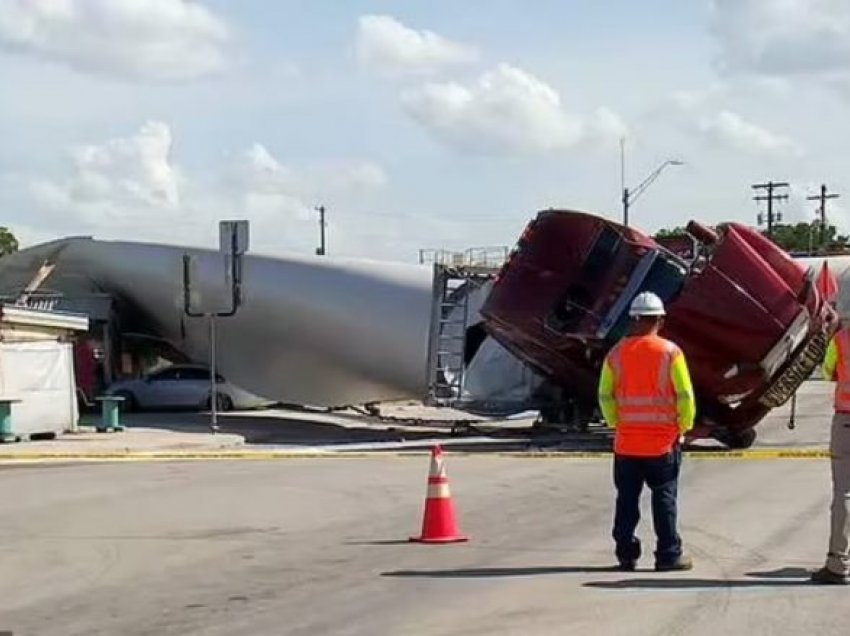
(629, 196)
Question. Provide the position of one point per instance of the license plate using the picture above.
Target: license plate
(797, 372)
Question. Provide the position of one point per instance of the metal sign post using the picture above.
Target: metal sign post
(213, 390)
(233, 243)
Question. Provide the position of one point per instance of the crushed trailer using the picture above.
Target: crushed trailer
(748, 317)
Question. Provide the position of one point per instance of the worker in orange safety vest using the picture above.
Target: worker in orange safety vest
(836, 367)
(645, 394)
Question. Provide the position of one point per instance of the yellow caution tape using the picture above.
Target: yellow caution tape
(189, 455)
(785, 453)
(167, 456)
(758, 453)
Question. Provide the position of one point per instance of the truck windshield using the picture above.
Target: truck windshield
(664, 278)
(596, 297)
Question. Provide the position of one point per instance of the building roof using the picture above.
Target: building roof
(18, 315)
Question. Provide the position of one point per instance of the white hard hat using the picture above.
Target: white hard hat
(646, 304)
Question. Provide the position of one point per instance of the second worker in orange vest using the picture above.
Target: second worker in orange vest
(836, 367)
(645, 393)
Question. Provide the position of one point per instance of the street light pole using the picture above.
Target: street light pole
(626, 207)
(629, 196)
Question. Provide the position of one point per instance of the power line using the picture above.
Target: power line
(770, 197)
(419, 216)
(822, 197)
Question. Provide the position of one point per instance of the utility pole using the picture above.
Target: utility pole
(822, 197)
(320, 251)
(770, 197)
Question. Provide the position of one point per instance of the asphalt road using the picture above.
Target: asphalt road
(811, 421)
(318, 546)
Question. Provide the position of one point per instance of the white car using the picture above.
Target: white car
(182, 387)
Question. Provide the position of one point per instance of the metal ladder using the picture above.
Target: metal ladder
(450, 321)
(447, 386)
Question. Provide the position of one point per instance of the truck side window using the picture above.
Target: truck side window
(600, 256)
(570, 309)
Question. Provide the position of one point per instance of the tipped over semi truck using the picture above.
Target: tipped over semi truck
(331, 332)
(749, 318)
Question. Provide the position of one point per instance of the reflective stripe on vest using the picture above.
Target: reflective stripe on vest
(647, 423)
(664, 398)
(842, 372)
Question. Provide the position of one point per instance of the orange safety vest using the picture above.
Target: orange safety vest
(647, 413)
(842, 372)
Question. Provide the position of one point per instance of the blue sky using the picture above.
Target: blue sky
(418, 124)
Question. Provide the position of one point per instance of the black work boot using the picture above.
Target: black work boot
(628, 556)
(825, 576)
(682, 563)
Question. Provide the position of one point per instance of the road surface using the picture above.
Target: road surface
(318, 546)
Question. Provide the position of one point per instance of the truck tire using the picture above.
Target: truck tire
(737, 440)
(553, 417)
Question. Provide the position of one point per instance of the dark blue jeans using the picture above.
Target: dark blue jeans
(661, 474)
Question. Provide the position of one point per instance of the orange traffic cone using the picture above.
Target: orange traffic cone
(438, 523)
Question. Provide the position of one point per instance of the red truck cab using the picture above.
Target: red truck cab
(749, 319)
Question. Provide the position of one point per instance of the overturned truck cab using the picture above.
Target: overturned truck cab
(749, 318)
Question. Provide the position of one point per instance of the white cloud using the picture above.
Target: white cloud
(784, 37)
(694, 100)
(701, 113)
(263, 172)
(386, 46)
(146, 39)
(731, 130)
(606, 126)
(113, 184)
(137, 167)
(505, 110)
(797, 208)
(131, 188)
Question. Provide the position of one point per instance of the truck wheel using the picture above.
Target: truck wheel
(552, 417)
(739, 440)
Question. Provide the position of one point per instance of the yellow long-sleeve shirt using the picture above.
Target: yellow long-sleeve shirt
(830, 361)
(679, 375)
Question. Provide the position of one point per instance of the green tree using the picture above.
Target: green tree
(799, 237)
(665, 233)
(8, 242)
(805, 237)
